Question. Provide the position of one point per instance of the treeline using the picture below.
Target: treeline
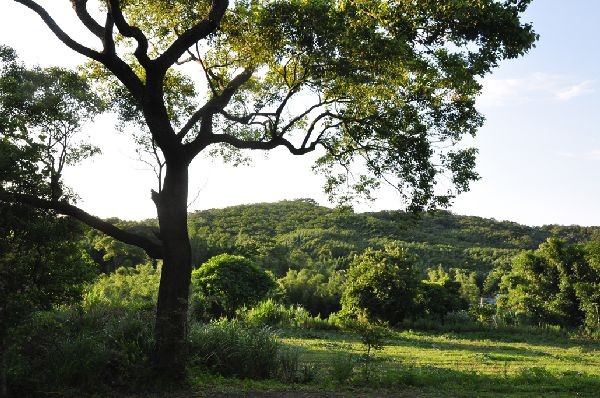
(298, 234)
(309, 249)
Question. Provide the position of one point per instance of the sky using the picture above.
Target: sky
(539, 150)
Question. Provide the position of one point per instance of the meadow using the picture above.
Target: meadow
(507, 363)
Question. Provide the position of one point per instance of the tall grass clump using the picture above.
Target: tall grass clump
(229, 348)
(102, 344)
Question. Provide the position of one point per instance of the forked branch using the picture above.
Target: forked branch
(193, 35)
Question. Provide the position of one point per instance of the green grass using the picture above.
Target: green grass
(469, 364)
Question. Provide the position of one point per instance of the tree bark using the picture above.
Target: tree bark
(170, 331)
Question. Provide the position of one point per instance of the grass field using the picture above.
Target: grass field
(466, 364)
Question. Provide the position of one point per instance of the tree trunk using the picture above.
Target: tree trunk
(170, 331)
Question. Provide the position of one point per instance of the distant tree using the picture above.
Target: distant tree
(317, 291)
(230, 282)
(389, 87)
(435, 299)
(541, 284)
(381, 284)
(469, 290)
(110, 253)
(135, 288)
(587, 285)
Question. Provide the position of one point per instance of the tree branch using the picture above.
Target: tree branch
(216, 104)
(80, 7)
(109, 59)
(193, 35)
(59, 33)
(141, 52)
(152, 248)
(260, 145)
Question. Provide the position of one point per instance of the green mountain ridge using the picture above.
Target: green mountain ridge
(293, 233)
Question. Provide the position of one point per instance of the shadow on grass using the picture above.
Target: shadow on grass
(533, 381)
(493, 378)
(425, 343)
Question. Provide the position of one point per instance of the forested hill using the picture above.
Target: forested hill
(298, 233)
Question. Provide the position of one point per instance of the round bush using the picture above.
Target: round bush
(229, 282)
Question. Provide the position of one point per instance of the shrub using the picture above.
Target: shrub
(291, 370)
(267, 313)
(230, 282)
(271, 313)
(71, 349)
(319, 291)
(436, 299)
(228, 348)
(342, 367)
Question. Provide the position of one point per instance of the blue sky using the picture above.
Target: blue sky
(539, 149)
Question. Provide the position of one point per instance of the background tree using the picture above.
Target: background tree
(388, 87)
(541, 284)
(382, 284)
(587, 286)
(228, 282)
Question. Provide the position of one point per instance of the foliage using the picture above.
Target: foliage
(73, 350)
(228, 348)
(553, 285)
(271, 313)
(110, 253)
(342, 367)
(230, 282)
(381, 284)
(435, 300)
(42, 265)
(43, 111)
(135, 288)
(317, 291)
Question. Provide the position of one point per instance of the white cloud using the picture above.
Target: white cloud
(576, 90)
(535, 87)
(590, 155)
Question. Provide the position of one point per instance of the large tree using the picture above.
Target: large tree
(386, 88)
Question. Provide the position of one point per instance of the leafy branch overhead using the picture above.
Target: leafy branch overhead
(385, 88)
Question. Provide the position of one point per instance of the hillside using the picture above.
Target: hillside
(292, 234)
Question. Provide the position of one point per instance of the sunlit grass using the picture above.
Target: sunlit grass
(465, 364)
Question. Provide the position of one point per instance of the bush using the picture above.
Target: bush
(229, 282)
(319, 291)
(72, 349)
(291, 370)
(271, 313)
(228, 348)
(267, 313)
(342, 367)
